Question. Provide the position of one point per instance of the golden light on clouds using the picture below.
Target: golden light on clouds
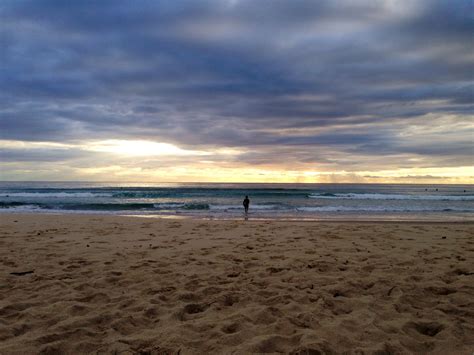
(148, 161)
(201, 173)
(139, 148)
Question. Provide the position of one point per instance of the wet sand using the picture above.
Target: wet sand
(105, 284)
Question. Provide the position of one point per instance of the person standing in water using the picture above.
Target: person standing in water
(246, 204)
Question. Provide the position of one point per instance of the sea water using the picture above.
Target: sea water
(281, 201)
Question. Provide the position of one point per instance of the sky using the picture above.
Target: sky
(376, 91)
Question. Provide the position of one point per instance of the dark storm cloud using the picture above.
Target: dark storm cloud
(238, 74)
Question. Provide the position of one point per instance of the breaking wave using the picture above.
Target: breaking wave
(365, 196)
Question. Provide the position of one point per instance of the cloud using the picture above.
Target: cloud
(312, 82)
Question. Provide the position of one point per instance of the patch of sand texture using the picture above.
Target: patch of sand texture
(105, 284)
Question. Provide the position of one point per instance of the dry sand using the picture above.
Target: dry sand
(105, 284)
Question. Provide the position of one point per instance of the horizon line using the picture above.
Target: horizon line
(230, 182)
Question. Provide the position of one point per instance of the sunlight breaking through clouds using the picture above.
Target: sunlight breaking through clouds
(297, 90)
(140, 148)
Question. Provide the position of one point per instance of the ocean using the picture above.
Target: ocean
(224, 201)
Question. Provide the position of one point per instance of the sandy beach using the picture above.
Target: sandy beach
(105, 284)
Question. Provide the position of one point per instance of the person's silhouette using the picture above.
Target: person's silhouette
(246, 204)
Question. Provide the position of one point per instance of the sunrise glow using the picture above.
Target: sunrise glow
(238, 91)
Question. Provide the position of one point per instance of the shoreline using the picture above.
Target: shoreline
(250, 218)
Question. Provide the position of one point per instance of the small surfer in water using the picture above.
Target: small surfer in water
(246, 204)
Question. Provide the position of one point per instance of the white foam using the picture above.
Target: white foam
(353, 196)
(378, 209)
(22, 208)
(252, 207)
(54, 194)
